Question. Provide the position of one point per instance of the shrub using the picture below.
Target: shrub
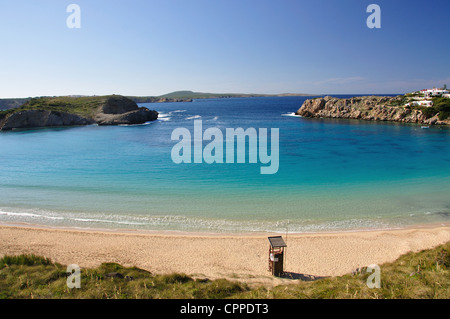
(429, 112)
(176, 278)
(24, 260)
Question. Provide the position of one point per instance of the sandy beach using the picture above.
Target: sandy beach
(236, 257)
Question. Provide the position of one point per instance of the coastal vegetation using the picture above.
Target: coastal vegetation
(69, 111)
(83, 106)
(440, 108)
(424, 274)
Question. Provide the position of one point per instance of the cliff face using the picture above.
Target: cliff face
(372, 108)
(112, 110)
(121, 110)
(42, 118)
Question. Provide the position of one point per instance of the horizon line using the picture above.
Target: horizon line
(195, 92)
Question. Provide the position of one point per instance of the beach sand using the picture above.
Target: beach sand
(235, 257)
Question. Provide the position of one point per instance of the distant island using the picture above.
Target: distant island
(199, 95)
(178, 96)
(428, 107)
(7, 104)
(71, 111)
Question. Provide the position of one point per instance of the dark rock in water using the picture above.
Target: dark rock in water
(139, 116)
(121, 110)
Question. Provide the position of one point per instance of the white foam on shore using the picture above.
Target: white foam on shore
(28, 215)
(91, 220)
(116, 221)
(180, 222)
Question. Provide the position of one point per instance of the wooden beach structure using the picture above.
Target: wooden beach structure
(276, 255)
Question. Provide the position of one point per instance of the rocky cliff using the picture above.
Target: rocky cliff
(41, 118)
(373, 108)
(51, 112)
(121, 110)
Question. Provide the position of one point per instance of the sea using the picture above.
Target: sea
(334, 175)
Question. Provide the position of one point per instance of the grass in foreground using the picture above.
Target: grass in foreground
(422, 275)
(415, 275)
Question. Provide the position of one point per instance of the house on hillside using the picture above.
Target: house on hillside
(434, 92)
(426, 103)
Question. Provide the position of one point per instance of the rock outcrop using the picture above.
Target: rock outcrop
(111, 110)
(118, 105)
(42, 118)
(121, 110)
(372, 108)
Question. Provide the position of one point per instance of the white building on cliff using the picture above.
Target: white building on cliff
(427, 103)
(434, 92)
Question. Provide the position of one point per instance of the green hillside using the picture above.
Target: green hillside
(82, 106)
(424, 275)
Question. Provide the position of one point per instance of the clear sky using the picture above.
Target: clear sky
(153, 47)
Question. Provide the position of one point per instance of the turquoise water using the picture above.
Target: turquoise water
(334, 175)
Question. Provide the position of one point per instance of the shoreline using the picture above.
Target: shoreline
(186, 233)
(241, 257)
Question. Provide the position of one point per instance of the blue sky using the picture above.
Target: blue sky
(244, 46)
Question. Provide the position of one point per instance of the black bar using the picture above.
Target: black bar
(232, 308)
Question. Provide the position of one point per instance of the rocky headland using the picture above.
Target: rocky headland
(71, 111)
(371, 108)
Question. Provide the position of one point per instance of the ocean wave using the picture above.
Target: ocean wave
(204, 224)
(164, 117)
(183, 223)
(142, 124)
(25, 215)
(291, 114)
(93, 220)
(193, 117)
